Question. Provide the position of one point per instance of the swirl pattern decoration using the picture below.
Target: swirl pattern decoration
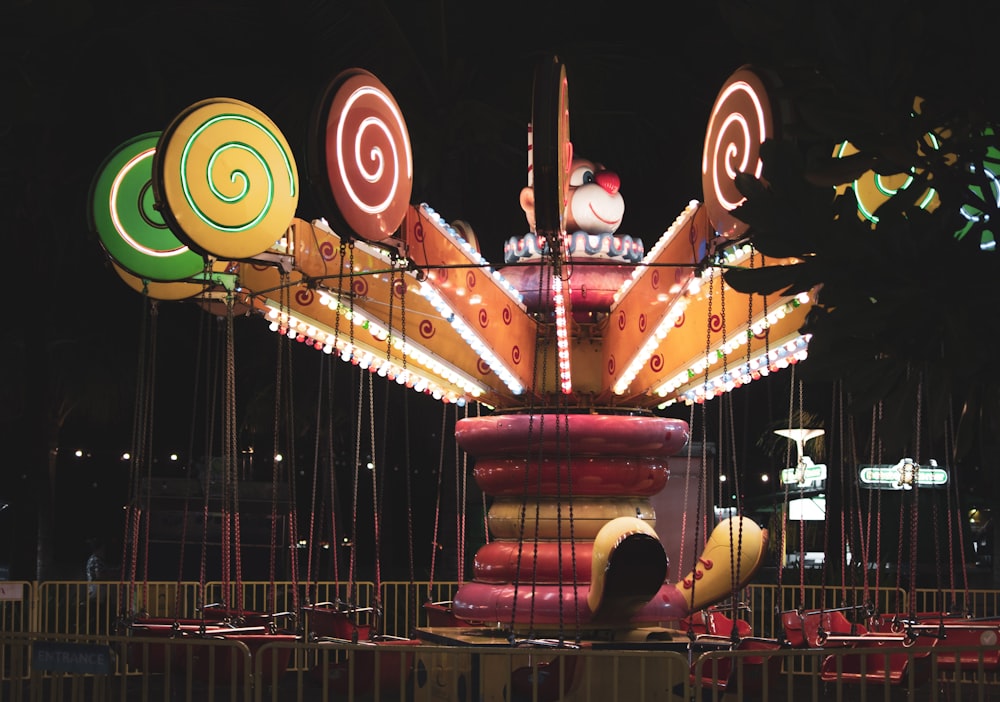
(131, 230)
(226, 179)
(740, 122)
(367, 159)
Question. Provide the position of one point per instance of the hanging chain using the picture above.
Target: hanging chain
(285, 307)
(146, 455)
(915, 504)
(544, 287)
(687, 484)
(314, 492)
(376, 519)
(359, 411)
(437, 506)
(701, 518)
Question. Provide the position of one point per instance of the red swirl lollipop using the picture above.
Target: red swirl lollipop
(361, 160)
(740, 122)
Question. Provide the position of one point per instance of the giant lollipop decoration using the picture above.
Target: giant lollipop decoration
(225, 179)
(552, 150)
(360, 158)
(131, 230)
(740, 122)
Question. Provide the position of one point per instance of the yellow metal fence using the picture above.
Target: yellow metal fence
(42, 622)
(79, 607)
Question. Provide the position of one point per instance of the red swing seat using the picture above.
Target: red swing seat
(723, 673)
(981, 638)
(440, 614)
(714, 622)
(327, 619)
(394, 668)
(273, 661)
(876, 668)
(802, 629)
(872, 668)
(522, 680)
(160, 657)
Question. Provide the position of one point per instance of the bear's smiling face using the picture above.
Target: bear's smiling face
(595, 202)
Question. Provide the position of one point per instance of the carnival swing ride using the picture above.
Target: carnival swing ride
(569, 348)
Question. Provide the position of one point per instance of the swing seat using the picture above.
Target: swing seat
(746, 675)
(552, 683)
(440, 614)
(979, 638)
(981, 643)
(214, 664)
(714, 622)
(791, 624)
(721, 625)
(160, 657)
(327, 619)
(802, 629)
(394, 668)
(891, 667)
(877, 668)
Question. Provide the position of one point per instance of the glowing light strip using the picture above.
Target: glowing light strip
(471, 337)
(730, 150)
(731, 256)
(406, 347)
(235, 175)
(562, 336)
(780, 356)
(373, 359)
(652, 344)
(116, 219)
(658, 247)
(361, 159)
(474, 256)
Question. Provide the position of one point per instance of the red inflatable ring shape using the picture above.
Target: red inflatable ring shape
(584, 476)
(507, 562)
(571, 434)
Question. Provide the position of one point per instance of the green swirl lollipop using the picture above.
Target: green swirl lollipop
(122, 213)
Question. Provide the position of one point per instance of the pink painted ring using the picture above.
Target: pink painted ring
(555, 605)
(545, 561)
(583, 476)
(571, 434)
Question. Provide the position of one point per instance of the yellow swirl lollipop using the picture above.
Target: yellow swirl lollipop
(225, 179)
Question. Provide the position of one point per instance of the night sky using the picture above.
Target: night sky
(80, 78)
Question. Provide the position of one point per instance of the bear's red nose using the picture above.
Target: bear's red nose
(608, 180)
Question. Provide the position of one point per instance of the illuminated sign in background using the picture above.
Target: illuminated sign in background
(904, 475)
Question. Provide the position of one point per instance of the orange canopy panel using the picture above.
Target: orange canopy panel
(486, 310)
(401, 329)
(660, 339)
(646, 301)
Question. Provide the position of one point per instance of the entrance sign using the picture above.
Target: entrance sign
(62, 657)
